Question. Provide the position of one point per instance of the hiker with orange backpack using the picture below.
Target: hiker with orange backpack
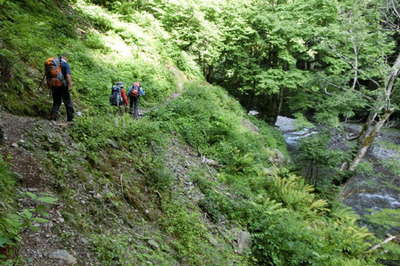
(134, 94)
(59, 81)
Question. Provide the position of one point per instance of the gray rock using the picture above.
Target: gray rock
(269, 171)
(381, 152)
(213, 241)
(62, 254)
(15, 145)
(249, 125)
(113, 143)
(253, 112)
(153, 244)
(286, 124)
(209, 161)
(277, 157)
(244, 242)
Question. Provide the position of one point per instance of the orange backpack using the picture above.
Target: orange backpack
(135, 89)
(135, 92)
(53, 70)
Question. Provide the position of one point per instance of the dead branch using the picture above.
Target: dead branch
(387, 240)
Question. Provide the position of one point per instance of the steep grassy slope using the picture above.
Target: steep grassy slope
(176, 186)
(101, 49)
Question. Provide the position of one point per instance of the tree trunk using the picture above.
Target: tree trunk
(367, 138)
(377, 118)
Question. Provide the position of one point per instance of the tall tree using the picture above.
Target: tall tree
(383, 107)
(270, 52)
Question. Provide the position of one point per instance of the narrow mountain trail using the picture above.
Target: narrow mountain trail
(41, 240)
(42, 244)
(28, 148)
(180, 80)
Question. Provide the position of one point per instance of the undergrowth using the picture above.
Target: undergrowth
(10, 222)
(101, 50)
(288, 223)
(111, 171)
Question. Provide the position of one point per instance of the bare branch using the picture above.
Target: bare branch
(387, 240)
(395, 9)
(326, 92)
(394, 73)
(355, 66)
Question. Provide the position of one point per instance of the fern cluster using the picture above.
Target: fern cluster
(289, 223)
(10, 222)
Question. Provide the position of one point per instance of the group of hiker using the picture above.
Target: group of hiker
(119, 97)
(59, 81)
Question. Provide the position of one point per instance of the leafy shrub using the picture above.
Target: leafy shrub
(320, 162)
(113, 249)
(365, 168)
(189, 232)
(94, 41)
(10, 223)
(284, 240)
(302, 122)
(288, 223)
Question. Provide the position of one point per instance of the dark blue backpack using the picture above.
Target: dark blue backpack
(116, 97)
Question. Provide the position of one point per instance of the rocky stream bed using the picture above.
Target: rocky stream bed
(374, 191)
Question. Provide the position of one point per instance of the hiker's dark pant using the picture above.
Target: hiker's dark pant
(134, 102)
(60, 95)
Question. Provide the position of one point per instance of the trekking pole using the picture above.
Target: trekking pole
(40, 86)
(41, 82)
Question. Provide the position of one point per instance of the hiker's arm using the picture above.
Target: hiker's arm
(69, 81)
(66, 69)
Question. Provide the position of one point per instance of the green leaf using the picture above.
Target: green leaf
(49, 200)
(3, 241)
(31, 195)
(27, 214)
(40, 220)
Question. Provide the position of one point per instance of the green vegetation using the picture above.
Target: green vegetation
(386, 217)
(14, 221)
(393, 165)
(125, 184)
(10, 223)
(273, 206)
(384, 221)
(99, 54)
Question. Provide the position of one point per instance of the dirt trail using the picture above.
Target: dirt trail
(18, 151)
(15, 129)
(180, 80)
(37, 244)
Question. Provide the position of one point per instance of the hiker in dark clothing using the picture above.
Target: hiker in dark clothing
(134, 94)
(59, 81)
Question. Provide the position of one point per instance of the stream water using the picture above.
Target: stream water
(291, 133)
(375, 188)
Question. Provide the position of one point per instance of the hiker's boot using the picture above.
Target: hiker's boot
(53, 116)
